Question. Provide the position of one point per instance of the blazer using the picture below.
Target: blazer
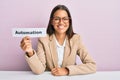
(46, 58)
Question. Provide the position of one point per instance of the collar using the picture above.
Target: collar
(58, 43)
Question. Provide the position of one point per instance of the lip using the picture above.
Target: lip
(60, 27)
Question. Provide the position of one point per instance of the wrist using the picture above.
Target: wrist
(67, 70)
(29, 54)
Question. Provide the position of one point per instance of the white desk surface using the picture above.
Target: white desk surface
(28, 75)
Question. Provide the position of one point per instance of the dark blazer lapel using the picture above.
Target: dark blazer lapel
(53, 51)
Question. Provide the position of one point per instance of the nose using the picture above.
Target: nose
(61, 21)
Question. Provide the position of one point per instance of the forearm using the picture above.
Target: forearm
(35, 64)
(82, 69)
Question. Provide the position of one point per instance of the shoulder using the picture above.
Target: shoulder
(76, 37)
(44, 39)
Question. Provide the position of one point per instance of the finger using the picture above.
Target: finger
(56, 73)
(27, 45)
(53, 70)
(25, 38)
(25, 42)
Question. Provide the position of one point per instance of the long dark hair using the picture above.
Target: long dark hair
(50, 28)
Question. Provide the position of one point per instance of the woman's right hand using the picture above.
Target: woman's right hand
(26, 45)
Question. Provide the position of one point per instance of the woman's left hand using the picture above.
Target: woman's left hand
(59, 71)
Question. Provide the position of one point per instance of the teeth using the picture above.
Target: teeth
(61, 26)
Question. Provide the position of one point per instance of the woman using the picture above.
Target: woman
(57, 51)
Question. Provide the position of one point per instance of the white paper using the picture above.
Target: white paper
(31, 32)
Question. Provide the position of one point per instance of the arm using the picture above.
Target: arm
(88, 66)
(37, 60)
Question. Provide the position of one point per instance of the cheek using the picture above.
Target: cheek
(68, 25)
(53, 23)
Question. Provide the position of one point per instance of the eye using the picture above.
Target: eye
(65, 18)
(56, 18)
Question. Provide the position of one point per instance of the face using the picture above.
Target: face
(60, 21)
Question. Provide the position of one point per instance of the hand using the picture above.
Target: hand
(26, 45)
(59, 71)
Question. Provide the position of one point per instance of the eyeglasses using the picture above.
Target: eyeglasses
(58, 19)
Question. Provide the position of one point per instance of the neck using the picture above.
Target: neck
(60, 38)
